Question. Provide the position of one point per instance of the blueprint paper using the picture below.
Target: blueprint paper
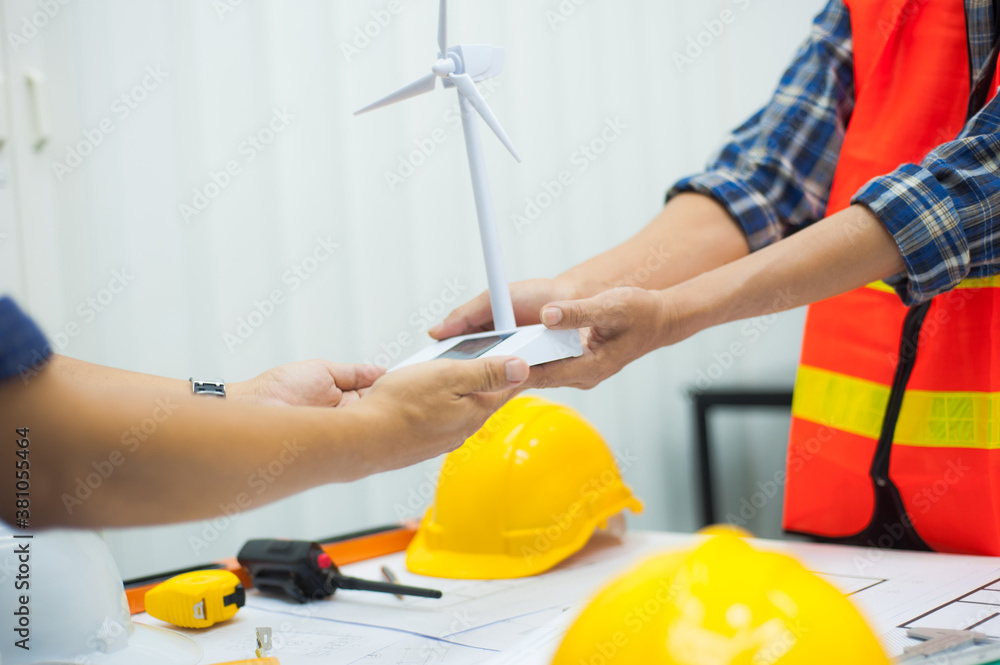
(469, 604)
(297, 638)
(502, 622)
(893, 590)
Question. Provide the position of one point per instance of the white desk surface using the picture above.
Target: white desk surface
(521, 621)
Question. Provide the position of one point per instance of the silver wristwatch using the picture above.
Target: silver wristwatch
(212, 387)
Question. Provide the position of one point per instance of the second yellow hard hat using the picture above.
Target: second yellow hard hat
(521, 495)
(721, 603)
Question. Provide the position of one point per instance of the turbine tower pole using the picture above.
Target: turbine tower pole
(496, 277)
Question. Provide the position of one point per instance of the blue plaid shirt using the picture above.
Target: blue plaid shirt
(22, 344)
(774, 173)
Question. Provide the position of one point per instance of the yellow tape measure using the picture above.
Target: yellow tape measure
(196, 600)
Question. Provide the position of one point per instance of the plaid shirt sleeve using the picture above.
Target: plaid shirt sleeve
(943, 213)
(774, 173)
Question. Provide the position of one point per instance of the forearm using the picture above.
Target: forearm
(140, 456)
(102, 378)
(691, 235)
(838, 254)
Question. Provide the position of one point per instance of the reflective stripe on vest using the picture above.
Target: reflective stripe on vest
(912, 85)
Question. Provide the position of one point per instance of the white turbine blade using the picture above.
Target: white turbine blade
(469, 90)
(419, 87)
(443, 27)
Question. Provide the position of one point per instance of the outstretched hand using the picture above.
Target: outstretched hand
(617, 327)
(309, 383)
(430, 408)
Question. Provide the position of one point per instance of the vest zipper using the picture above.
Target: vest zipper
(908, 344)
(890, 526)
(889, 517)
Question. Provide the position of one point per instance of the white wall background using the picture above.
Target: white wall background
(323, 176)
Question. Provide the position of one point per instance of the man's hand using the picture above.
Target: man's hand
(430, 409)
(528, 298)
(308, 383)
(617, 327)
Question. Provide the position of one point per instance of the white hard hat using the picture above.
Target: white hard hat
(77, 611)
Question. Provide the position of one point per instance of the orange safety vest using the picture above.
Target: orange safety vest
(895, 438)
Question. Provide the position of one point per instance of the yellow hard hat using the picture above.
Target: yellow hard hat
(724, 530)
(519, 496)
(723, 603)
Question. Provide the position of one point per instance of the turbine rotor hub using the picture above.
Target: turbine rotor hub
(445, 66)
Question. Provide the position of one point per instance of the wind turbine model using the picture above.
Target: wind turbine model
(462, 67)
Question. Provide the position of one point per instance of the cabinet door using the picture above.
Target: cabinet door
(29, 254)
(10, 256)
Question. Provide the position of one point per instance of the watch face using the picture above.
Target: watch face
(217, 388)
(474, 348)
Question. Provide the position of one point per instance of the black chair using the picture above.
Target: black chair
(704, 400)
